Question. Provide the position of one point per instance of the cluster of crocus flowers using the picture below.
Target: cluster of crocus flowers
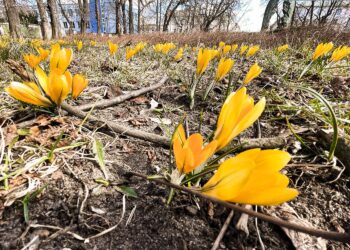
(34, 60)
(179, 55)
(254, 71)
(234, 47)
(340, 53)
(93, 43)
(131, 52)
(164, 47)
(51, 89)
(282, 48)
(35, 43)
(321, 50)
(113, 48)
(253, 50)
(252, 177)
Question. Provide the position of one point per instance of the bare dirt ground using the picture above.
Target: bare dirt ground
(75, 205)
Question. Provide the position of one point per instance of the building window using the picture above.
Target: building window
(88, 25)
(79, 25)
(72, 24)
(65, 24)
(70, 12)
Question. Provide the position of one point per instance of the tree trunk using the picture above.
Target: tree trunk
(84, 15)
(157, 14)
(98, 17)
(44, 23)
(125, 31)
(70, 29)
(117, 17)
(269, 11)
(312, 11)
(13, 18)
(288, 10)
(131, 18)
(139, 16)
(55, 25)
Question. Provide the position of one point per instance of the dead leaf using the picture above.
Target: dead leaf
(10, 133)
(140, 100)
(301, 241)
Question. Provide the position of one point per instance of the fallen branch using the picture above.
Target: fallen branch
(342, 237)
(119, 99)
(223, 230)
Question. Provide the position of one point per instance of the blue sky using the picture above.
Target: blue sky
(250, 16)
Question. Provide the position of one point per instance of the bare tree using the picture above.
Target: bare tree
(84, 14)
(170, 11)
(271, 8)
(98, 17)
(70, 29)
(55, 25)
(13, 18)
(117, 17)
(44, 23)
(125, 31)
(139, 16)
(131, 17)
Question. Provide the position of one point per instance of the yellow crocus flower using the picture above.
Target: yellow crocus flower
(79, 45)
(252, 177)
(79, 83)
(190, 153)
(56, 86)
(130, 52)
(226, 49)
(321, 50)
(237, 113)
(113, 48)
(243, 49)
(25, 93)
(221, 44)
(93, 43)
(253, 50)
(179, 54)
(340, 53)
(32, 60)
(225, 65)
(203, 59)
(44, 53)
(60, 59)
(282, 48)
(234, 47)
(253, 72)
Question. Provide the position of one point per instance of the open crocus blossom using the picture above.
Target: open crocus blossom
(252, 177)
(56, 86)
(60, 59)
(203, 59)
(79, 83)
(44, 53)
(253, 73)
(237, 114)
(243, 49)
(113, 48)
(32, 60)
(253, 50)
(282, 48)
(340, 53)
(28, 93)
(234, 47)
(190, 153)
(179, 54)
(225, 65)
(321, 50)
(226, 49)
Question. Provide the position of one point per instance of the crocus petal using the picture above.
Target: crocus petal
(42, 79)
(79, 84)
(26, 94)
